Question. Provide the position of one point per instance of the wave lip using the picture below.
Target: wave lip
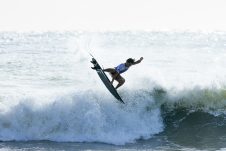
(206, 99)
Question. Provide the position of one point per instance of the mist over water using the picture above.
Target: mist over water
(49, 92)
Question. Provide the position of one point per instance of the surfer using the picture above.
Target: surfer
(117, 71)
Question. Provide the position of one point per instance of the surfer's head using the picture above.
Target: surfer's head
(130, 61)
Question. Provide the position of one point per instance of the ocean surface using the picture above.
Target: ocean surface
(50, 98)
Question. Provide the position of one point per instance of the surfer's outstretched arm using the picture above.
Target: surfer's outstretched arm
(138, 61)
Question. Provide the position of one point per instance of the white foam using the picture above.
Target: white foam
(82, 116)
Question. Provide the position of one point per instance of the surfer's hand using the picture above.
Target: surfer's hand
(141, 58)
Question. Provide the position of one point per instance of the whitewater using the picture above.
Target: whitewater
(49, 95)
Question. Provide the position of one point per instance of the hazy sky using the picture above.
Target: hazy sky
(112, 14)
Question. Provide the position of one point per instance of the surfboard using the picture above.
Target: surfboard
(105, 80)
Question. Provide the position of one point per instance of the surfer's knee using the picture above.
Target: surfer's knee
(122, 80)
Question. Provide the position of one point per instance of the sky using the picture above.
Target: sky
(99, 15)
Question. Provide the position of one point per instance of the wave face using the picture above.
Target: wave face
(49, 92)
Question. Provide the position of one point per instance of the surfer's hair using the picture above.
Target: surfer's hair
(130, 60)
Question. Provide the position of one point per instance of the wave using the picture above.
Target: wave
(80, 116)
(94, 116)
(194, 129)
(205, 99)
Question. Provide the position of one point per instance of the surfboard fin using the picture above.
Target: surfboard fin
(94, 68)
(94, 62)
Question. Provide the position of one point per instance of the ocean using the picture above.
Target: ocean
(50, 98)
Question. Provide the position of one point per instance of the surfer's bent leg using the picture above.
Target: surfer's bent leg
(111, 70)
(120, 80)
(113, 73)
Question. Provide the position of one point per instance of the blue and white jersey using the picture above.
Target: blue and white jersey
(121, 68)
